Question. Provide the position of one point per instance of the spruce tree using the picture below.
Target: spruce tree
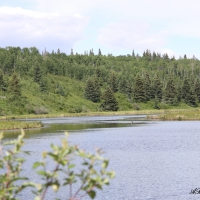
(37, 74)
(192, 98)
(133, 54)
(14, 88)
(157, 88)
(186, 89)
(148, 88)
(2, 82)
(97, 90)
(197, 89)
(109, 101)
(43, 85)
(171, 92)
(113, 82)
(99, 53)
(139, 90)
(92, 90)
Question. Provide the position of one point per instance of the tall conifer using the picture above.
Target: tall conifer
(109, 101)
(139, 90)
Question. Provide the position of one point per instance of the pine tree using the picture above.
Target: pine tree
(14, 88)
(2, 82)
(109, 101)
(186, 91)
(157, 88)
(171, 92)
(133, 54)
(92, 90)
(148, 88)
(113, 82)
(99, 53)
(97, 90)
(43, 85)
(139, 90)
(192, 98)
(37, 74)
(197, 89)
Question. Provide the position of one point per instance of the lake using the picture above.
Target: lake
(152, 159)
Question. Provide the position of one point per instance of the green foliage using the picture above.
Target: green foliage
(157, 88)
(139, 90)
(91, 173)
(2, 82)
(148, 87)
(197, 89)
(171, 92)
(109, 101)
(57, 81)
(113, 82)
(92, 90)
(14, 88)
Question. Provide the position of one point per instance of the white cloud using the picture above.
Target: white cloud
(165, 19)
(20, 27)
(131, 35)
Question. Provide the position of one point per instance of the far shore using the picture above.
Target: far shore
(56, 115)
(9, 122)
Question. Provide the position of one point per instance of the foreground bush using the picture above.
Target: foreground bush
(91, 174)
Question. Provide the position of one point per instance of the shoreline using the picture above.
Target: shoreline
(57, 115)
(9, 122)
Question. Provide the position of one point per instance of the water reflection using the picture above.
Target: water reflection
(71, 124)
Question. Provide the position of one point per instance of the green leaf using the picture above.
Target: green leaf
(41, 172)
(71, 166)
(92, 194)
(37, 164)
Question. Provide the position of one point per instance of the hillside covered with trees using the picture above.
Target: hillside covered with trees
(34, 82)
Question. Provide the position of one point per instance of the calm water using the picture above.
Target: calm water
(152, 160)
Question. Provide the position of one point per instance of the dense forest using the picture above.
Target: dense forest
(34, 82)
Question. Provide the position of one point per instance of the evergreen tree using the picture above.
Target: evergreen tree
(154, 56)
(99, 53)
(157, 88)
(171, 92)
(14, 88)
(92, 90)
(148, 88)
(192, 98)
(139, 90)
(2, 82)
(197, 89)
(109, 101)
(186, 91)
(43, 85)
(133, 54)
(113, 82)
(123, 85)
(37, 74)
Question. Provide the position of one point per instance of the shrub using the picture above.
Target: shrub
(91, 174)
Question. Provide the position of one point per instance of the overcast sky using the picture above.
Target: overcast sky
(116, 27)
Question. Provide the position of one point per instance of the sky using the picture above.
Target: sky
(116, 27)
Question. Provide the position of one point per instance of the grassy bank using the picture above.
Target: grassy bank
(9, 125)
(134, 112)
(178, 115)
(6, 122)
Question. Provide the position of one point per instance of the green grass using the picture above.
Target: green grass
(178, 115)
(9, 125)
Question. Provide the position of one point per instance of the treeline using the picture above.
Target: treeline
(150, 77)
